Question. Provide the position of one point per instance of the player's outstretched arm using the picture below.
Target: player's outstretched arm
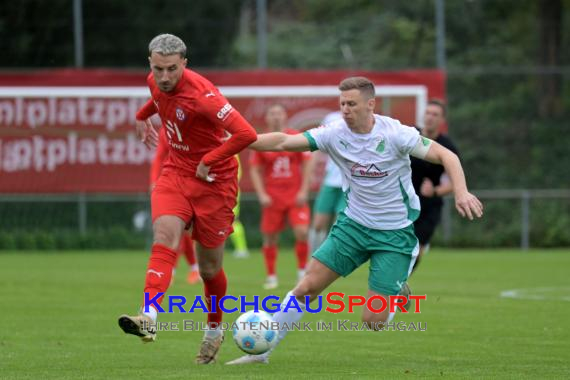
(466, 203)
(279, 142)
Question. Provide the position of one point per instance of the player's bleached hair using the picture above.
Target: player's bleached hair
(362, 84)
(440, 103)
(167, 44)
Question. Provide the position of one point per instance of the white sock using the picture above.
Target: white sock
(390, 317)
(213, 333)
(152, 313)
(300, 273)
(272, 278)
(194, 268)
(292, 315)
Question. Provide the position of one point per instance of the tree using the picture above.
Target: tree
(116, 33)
(550, 86)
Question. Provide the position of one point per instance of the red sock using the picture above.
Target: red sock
(215, 286)
(187, 247)
(270, 255)
(302, 252)
(159, 271)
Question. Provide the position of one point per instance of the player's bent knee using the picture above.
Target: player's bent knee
(270, 239)
(168, 230)
(209, 268)
(166, 238)
(208, 272)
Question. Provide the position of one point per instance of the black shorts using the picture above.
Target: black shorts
(426, 223)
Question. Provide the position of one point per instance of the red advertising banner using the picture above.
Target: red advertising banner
(73, 131)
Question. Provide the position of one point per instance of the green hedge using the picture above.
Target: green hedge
(71, 240)
(549, 224)
(53, 226)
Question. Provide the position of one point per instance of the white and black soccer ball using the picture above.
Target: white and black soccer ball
(253, 332)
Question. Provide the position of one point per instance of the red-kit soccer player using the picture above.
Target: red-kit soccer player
(197, 187)
(281, 181)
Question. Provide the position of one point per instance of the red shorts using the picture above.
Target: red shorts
(206, 206)
(273, 217)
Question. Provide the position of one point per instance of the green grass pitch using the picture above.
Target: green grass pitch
(59, 321)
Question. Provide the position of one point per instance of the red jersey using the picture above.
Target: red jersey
(196, 119)
(282, 172)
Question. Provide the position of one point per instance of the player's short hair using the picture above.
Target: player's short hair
(167, 44)
(440, 103)
(362, 84)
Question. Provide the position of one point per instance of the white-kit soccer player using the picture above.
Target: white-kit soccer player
(372, 152)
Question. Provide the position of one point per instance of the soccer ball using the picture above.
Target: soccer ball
(253, 332)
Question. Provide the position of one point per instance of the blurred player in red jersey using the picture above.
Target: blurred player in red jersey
(281, 181)
(197, 186)
(186, 247)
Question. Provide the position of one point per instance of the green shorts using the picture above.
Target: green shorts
(331, 200)
(391, 253)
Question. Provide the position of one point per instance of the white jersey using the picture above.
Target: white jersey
(333, 176)
(375, 167)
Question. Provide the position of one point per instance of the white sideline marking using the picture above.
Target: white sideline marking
(559, 293)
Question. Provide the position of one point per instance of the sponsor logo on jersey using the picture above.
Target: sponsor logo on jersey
(225, 111)
(180, 114)
(368, 171)
(176, 146)
(172, 131)
(175, 136)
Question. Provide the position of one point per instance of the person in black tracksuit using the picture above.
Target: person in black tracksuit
(429, 179)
